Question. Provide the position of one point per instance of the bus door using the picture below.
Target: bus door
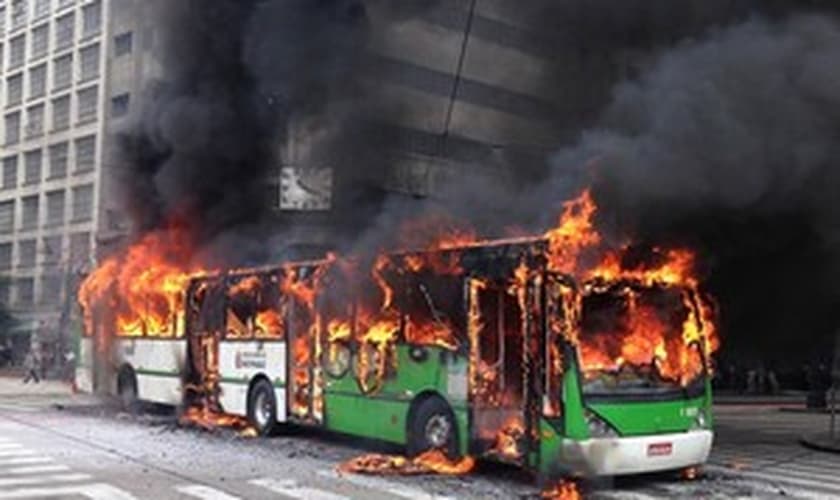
(500, 381)
(305, 379)
(205, 325)
(561, 320)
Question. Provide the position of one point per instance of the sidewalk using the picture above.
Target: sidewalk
(792, 399)
(47, 392)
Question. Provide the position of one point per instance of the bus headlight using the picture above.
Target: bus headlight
(598, 428)
(701, 421)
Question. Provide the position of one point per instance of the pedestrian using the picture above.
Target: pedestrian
(32, 365)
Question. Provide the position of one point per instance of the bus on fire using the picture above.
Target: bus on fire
(483, 350)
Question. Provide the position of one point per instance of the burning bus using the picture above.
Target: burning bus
(502, 350)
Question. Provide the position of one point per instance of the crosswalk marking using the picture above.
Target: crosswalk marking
(96, 491)
(36, 469)
(788, 479)
(292, 489)
(55, 478)
(376, 483)
(16, 453)
(25, 461)
(204, 492)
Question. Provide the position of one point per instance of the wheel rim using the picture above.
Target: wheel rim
(437, 431)
(262, 410)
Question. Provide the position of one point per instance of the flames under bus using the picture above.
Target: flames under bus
(478, 350)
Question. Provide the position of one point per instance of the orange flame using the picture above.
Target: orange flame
(430, 462)
(563, 490)
(143, 286)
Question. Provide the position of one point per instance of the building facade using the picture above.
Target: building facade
(55, 103)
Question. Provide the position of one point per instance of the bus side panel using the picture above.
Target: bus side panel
(158, 365)
(84, 365)
(383, 414)
(240, 362)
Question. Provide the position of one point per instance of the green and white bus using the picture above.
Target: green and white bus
(480, 351)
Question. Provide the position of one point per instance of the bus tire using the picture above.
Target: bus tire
(432, 426)
(127, 389)
(262, 407)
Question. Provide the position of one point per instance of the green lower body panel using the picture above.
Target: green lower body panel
(368, 417)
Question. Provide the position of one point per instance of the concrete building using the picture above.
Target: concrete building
(55, 103)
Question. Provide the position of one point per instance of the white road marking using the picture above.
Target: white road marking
(25, 461)
(97, 491)
(292, 489)
(10, 446)
(16, 453)
(204, 492)
(55, 478)
(780, 479)
(380, 484)
(36, 469)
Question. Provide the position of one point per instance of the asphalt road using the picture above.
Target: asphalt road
(91, 451)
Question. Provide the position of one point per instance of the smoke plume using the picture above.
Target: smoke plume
(729, 144)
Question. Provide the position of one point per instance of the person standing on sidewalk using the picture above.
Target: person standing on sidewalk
(32, 365)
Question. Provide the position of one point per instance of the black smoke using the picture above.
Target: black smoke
(238, 78)
(729, 144)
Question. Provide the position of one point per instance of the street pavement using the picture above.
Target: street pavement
(54, 444)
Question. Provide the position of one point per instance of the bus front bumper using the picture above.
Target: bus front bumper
(636, 455)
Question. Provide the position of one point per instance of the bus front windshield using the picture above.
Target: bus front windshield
(639, 341)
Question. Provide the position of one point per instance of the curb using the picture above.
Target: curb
(820, 443)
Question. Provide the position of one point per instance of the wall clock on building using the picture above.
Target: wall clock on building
(306, 189)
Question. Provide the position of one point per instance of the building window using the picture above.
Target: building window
(13, 128)
(52, 250)
(25, 291)
(64, 31)
(82, 203)
(5, 256)
(89, 62)
(26, 253)
(10, 168)
(7, 216)
(2, 22)
(63, 72)
(30, 213)
(14, 90)
(92, 18)
(80, 248)
(35, 121)
(42, 8)
(18, 13)
(65, 3)
(85, 154)
(38, 81)
(123, 44)
(119, 105)
(58, 160)
(55, 208)
(32, 167)
(40, 38)
(17, 51)
(61, 113)
(87, 100)
(51, 286)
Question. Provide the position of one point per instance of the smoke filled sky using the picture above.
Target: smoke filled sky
(730, 145)
(726, 142)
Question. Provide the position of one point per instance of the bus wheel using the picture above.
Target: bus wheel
(127, 389)
(432, 426)
(262, 408)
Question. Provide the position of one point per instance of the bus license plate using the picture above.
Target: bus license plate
(659, 449)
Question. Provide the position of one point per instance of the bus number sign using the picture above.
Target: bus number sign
(659, 449)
